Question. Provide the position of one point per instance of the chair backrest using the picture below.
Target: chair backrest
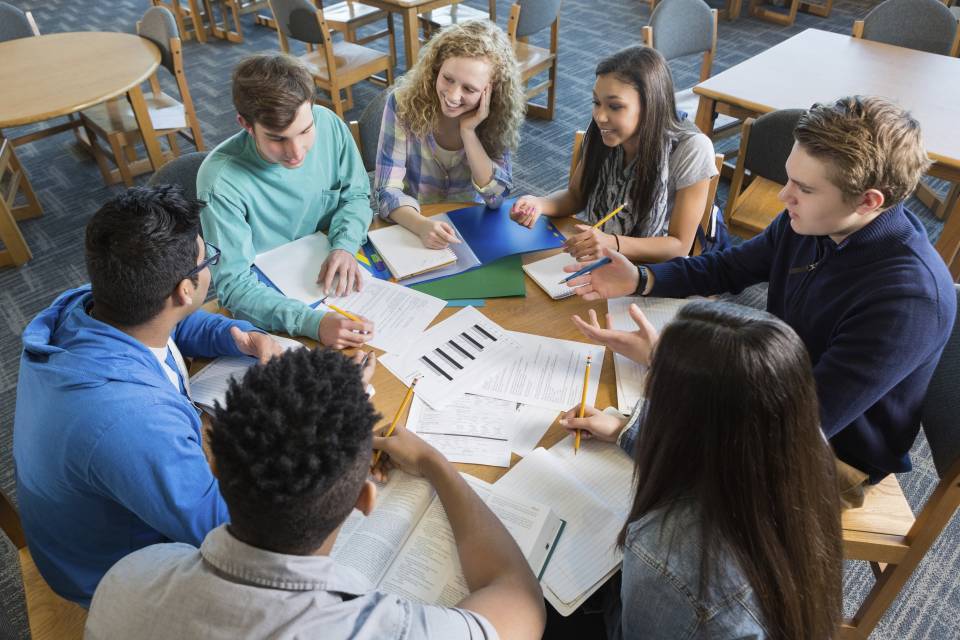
(15, 23)
(14, 623)
(940, 414)
(576, 151)
(683, 27)
(368, 129)
(925, 25)
(159, 26)
(770, 143)
(707, 218)
(181, 171)
(297, 19)
(536, 15)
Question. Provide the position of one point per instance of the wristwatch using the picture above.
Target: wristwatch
(642, 284)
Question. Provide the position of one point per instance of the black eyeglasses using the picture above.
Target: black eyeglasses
(213, 257)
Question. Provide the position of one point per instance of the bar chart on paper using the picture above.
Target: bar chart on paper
(454, 356)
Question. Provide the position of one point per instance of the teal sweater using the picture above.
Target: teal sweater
(254, 206)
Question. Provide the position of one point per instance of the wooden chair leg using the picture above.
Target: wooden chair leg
(17, 252)
(32, 208)
(198, 29)
(393, 41)
(120, 160)
(99, 156)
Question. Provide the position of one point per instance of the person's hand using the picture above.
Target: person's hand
(403, 450)
(366, 374)
(435, 234)
(636, 345)
(340, 332)
(619, 278)
(587, 244)
(526, 210)
(472, 119)
(342, 266)
(256, 344)
(593, 424)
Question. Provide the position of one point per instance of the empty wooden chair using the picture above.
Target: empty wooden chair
(230, 12)
(336, 66)
(709, 219)
(528, 17)
(883, 531)
(13, 181)
(15, 23)
(765, 144)
(757, 10)
(189, 18)
(114, 121)
(925, 25)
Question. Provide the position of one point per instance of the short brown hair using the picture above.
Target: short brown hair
(269, 88)
(871, 142)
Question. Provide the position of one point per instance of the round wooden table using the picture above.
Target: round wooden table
(57, 74)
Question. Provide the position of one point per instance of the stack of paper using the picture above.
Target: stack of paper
(549, 272)
(632, 375)
(404, 253)
(592, 492)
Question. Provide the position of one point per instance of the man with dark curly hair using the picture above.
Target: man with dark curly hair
(106, 440)
(292, 450)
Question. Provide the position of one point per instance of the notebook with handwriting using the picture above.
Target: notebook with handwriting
(404, 253)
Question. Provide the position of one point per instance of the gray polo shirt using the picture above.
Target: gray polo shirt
(228, 589)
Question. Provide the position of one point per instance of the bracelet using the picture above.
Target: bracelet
(617, 238)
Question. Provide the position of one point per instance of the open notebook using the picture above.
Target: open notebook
(592, 492)
(404, 253)
(548, 273)
(406, 546)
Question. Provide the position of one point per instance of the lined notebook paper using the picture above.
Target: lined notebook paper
(547, 273)
(405, 254)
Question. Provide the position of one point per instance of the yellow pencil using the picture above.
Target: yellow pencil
(583, 405)
(396, 418)
(609, 215)
(345, 314)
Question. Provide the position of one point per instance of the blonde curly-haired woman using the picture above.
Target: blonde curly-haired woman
(448, 129)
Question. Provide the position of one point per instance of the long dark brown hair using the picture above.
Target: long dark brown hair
(646, 71)
(732, 421)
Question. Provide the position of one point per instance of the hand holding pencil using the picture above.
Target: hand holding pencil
(583, 405)
(396, 418)
(588, 243)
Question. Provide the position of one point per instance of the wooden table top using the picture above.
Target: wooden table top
(52, 75)
(819, 66)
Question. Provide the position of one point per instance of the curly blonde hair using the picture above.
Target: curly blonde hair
(418, 107)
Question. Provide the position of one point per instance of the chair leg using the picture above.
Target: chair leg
(120, 160)
(17, 252)
(393, 40)
(99, 156)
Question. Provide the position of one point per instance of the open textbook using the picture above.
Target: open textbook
(630, 374)
(210, 384)
(406, 546)
(592, 492)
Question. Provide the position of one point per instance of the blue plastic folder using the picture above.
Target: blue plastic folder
(488, 235)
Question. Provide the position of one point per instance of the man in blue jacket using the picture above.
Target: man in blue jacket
(106, 440)
(849, 268)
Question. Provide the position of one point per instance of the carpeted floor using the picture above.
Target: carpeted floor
(70, 190)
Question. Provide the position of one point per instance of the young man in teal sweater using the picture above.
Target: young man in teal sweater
(293, 170)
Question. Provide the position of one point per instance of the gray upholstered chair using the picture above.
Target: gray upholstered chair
(114, 122)
(680, 28)
(14, 624)
(765, 144)
(528, 17)
(180, 171)
(15, 23)
(366, 130)
(925, 25)
(335, 66)
(884, 531)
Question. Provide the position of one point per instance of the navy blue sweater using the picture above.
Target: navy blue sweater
(874, 311)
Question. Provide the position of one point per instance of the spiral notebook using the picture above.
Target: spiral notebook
(548, 273)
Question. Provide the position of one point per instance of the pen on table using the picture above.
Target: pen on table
(396, 418)
(597, 225)
(587, 269)
(583, 405)
(343, 312)
(366, 357)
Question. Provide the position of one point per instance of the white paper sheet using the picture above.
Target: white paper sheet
(172, 117)
(469, 415)
(488, 451)
(453, 357)
(548, 373)
(631, 375)
(530, 423)
(293, 267)
(548, 273)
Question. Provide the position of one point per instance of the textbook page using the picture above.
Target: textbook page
(210, 384)
(547, 372)
(454, 356)
(591, 491)
(632, 375)
(405, 254)
(548, 273)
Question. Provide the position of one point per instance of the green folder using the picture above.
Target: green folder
(499, 279)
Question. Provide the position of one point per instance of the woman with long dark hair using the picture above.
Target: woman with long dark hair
(637, 153)
(734, 530)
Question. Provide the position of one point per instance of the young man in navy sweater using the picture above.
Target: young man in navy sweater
(849, 268)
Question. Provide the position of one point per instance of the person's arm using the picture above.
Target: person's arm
(225, 226)
(153, 464)
(207, 335)
(498, 187)
(502, 588)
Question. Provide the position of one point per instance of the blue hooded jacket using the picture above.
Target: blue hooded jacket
(108, 453)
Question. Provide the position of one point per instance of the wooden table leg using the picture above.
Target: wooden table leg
(704, 119)
(140, 111)
(411, 36)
